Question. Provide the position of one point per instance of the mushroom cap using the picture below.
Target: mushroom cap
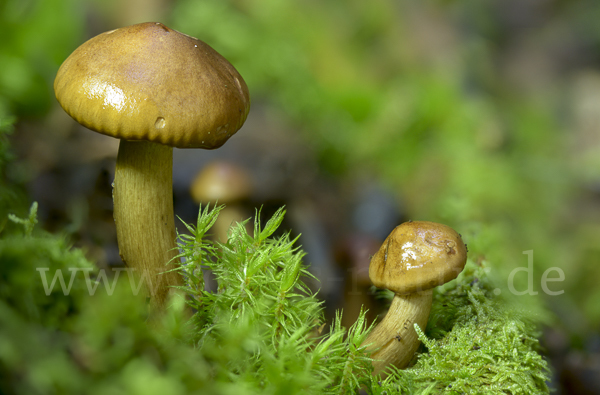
(418, 256)
(149, 82)
(221, 181)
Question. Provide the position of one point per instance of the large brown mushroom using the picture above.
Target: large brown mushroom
(154, 88)
(416, 257)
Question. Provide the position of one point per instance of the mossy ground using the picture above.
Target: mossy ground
(262, 332)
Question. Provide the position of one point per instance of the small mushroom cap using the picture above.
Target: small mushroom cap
(149, 82)
(222, 182)
(418, 256)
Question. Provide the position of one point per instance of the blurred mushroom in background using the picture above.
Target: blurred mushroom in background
(224, 183)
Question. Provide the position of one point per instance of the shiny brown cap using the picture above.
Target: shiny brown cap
(418, 256)
(221, 182)
(149, 82)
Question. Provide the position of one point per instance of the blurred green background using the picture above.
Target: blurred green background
(484, 115)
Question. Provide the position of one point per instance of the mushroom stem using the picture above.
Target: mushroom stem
(394, 340)
(143, 213)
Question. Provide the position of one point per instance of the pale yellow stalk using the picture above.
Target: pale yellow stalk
(143, 213)
(394, 340)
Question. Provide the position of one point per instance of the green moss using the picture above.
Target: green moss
(261, 297)
(490, 350)
(261, 332)
(36, 278)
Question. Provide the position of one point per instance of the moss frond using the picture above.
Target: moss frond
(261, 294)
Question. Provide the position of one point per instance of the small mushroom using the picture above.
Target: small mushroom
(223, 182)
(154, 88)
(416, 257)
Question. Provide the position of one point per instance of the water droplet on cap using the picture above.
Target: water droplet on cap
(160, 123)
